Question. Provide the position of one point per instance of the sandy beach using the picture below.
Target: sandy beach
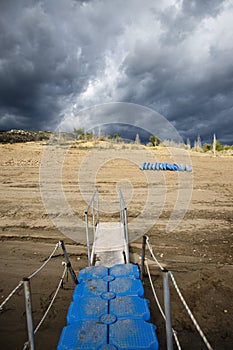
(199, 251)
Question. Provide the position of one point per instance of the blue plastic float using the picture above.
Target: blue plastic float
(165, 166)
(109, 312)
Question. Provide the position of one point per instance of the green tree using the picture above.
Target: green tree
(219, 146)
(155, 140)
(79, 133)
(207, 147)
(89, 135)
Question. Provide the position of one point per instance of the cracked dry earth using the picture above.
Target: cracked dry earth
(199, 250)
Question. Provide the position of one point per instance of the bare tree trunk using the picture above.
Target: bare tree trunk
(214, 145)
(137, 140)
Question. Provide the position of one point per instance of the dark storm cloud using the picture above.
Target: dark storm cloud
(188, 76)
(58, 57)
(48, 51)
(33, 64)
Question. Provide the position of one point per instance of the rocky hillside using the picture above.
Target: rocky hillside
(14, 136)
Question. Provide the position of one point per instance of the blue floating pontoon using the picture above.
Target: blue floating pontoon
(125, 270)
(90, 288)
(126, 286)
(109, 312)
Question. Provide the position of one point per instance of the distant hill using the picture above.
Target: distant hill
(14, 136)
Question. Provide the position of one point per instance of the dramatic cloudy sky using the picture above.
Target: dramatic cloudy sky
(58, 57)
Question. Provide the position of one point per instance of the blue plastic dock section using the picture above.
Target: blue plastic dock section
(109, 312)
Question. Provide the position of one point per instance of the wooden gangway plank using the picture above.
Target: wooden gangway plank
(109, 244)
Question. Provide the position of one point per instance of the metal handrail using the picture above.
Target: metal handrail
(124, 221)
(94, 206)
(95, 194)
(93, 210)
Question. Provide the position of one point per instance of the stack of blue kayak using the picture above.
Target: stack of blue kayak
(109, 312)
(164, 166)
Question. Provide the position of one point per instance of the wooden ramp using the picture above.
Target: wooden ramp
(109, 245)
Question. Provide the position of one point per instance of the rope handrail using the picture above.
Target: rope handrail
(190, 313)
(201, 333)
(26, 344)
(46, 261)
(159, 305)
(152, 254)
(11, 294)
(53, 298)
(32, 275)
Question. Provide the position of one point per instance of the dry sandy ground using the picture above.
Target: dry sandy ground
(199, 250)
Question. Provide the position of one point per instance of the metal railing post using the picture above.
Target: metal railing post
(166, 292)
(121, 215)
(124, 221)
(92, 206)
(122, 210)
(126, 235)
(93, 215)
(68, 263)
(143, 256)
(28, 305)
(88, 243)
(97, 205)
